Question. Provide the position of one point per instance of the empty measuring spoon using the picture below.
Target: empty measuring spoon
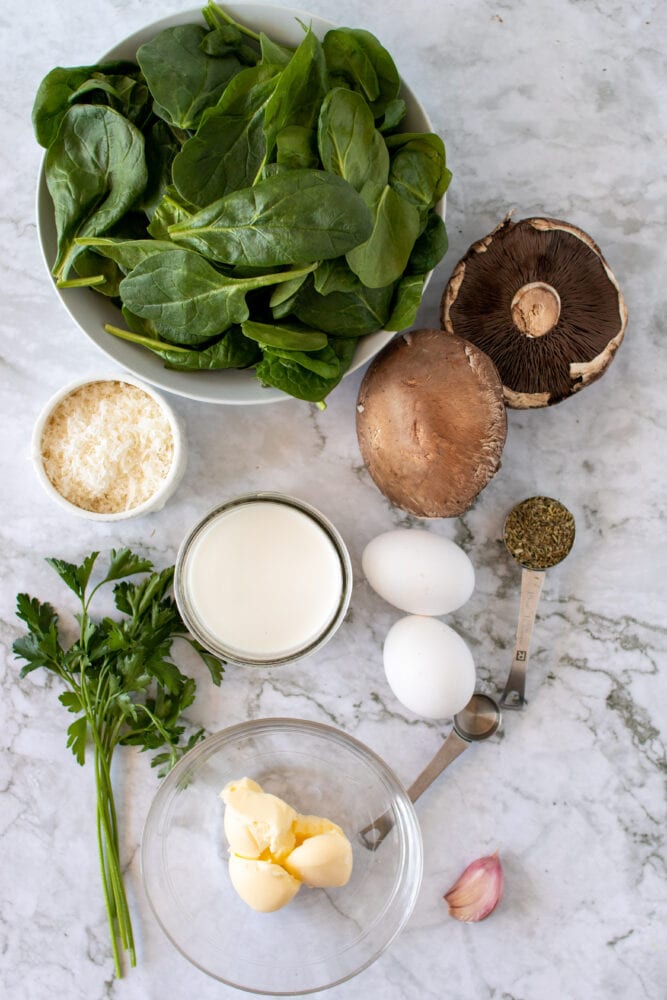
(538, 533)
(477, 720)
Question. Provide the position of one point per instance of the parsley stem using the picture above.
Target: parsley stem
(114, 889)
(117, 907)
(105, 885)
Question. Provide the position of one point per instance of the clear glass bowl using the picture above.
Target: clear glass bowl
(323, 936)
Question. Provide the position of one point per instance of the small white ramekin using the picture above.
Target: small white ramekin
(169, 483)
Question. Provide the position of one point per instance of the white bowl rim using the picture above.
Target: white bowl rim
(153, 503)
(239, 387)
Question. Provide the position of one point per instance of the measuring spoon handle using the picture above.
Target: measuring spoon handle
(453, 746)
(532, 582)
(373, 834)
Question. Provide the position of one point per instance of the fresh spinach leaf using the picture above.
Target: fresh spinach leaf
(229, 148)
(89, 264)
(170, 210)
(138, 324)
(393, 115)
(162, 144)
(283, 370)
(289, 336)
(334, 276)
(324, 362)
(350, 145)
(292, 378)
(357, 59)
(295, 217)
(186, 298)
(95, 170)
(299, 92)
(93, 261)
(92, 85)
(296, 148)
(284, 296)
(418, 169)
(382, 259)
(345, 348)
(126, 253)
(231, 350)
(125, 93)
(272, 53)
(55, 93)
(344, 314)
(407, 298)
(228, 40)
(272, 170)
(430, 247)
(243, 271)
(183, 80)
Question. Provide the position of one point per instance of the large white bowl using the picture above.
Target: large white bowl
(91, 311)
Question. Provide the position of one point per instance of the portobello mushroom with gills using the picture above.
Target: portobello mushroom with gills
(539, 298)
(431, 422)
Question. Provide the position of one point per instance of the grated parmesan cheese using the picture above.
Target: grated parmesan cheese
(107, 447)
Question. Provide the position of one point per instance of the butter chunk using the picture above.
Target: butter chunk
(274, 850)
(256, 821)
(263, 885)
(311, 826)
(322, 861)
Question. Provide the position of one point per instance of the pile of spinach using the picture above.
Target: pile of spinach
(245, 204)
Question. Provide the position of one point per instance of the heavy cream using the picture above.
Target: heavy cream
(262, 579)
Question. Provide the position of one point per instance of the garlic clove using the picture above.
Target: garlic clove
(476, 892)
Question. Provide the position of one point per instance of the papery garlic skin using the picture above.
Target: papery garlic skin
(476, 892)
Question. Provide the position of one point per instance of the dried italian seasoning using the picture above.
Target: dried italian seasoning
(539, 532)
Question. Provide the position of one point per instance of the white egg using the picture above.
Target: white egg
(429, 667)
(418, 572)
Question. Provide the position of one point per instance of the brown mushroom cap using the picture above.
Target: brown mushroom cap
(431, 422)
(539, 298)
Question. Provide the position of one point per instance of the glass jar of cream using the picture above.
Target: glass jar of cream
(263, 579)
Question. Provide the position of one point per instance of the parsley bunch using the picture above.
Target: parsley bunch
(121, 684)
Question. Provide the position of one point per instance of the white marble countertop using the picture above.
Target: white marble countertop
(547, 107)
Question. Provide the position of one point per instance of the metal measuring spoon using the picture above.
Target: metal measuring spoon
(477, 720)
(538, 533)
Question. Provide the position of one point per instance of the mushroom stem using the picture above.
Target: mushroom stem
(535, 309)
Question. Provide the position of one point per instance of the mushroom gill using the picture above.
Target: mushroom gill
(539, 299)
